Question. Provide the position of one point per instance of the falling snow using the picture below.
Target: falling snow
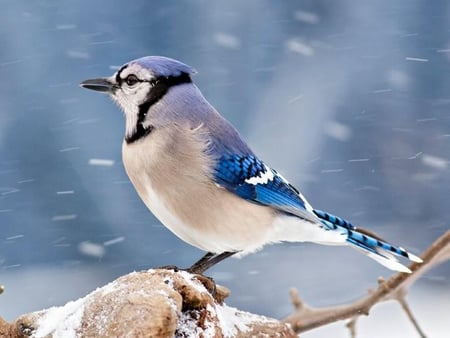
(350, 102)
(300, 47)
(227, 40)
(91, 249)
(435, 161)
(307, 17)
(101, 162)
(114, 241)
(67, 217)
(416, 59)
(338, 131)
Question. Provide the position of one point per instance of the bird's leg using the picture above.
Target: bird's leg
(203, 264)
(207, 261)
(205, 258)
(198, 268)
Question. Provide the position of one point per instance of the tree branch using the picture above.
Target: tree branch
(412, 319)
(167, 303)
(306, 317)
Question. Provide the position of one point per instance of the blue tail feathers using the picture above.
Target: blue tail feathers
(369, 243)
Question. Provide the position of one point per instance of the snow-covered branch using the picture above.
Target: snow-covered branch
(167, 303)
(154, 303)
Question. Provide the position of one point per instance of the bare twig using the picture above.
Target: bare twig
(412, 319)
(351, 326)
(306, 318)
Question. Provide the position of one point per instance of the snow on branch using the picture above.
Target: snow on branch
(154, 303)
(165, 303)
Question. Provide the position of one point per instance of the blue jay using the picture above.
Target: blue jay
(197, 175)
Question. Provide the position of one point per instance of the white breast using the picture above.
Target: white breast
(171, 174)
(167, 217)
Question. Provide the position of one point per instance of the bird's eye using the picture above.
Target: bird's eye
(131, 80)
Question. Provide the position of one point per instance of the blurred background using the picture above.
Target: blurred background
(349, 100)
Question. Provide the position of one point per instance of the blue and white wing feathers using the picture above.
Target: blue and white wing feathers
(251, 179)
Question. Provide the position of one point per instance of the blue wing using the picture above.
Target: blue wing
(249, 178)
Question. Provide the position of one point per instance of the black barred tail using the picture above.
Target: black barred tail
(369, 243)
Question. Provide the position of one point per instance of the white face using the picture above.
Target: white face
(134, 86)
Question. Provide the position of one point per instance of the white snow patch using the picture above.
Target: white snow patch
(194, 283)
(187, 326)
(209, 330)
(110, 287)
(231, 321)
(61, 321)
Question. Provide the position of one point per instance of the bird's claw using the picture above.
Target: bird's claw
(207, 282)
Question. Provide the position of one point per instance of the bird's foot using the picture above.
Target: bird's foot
(207, 282)
(218, 293)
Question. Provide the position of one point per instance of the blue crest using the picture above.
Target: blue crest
(164, 66)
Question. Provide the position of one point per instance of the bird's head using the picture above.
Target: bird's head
(138, 85)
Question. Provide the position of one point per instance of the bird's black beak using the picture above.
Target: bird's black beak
(103, 84)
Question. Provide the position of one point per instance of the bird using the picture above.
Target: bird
(198, 176)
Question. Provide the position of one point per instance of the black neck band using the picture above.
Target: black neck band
(159, 88)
